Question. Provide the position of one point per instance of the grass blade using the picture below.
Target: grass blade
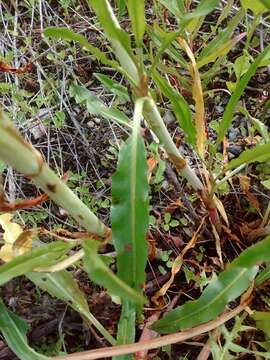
(240, 88)
(130, 207)
(136, 14)
(42, 256)
(260, 153)
(62, 285)
(14, 330)
(102, 275)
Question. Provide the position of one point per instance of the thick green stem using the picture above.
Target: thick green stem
(155, 121)
(19, 154)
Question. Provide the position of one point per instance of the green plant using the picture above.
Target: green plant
(47, 265)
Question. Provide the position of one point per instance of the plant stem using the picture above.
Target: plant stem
(155, 121)
(22, 156)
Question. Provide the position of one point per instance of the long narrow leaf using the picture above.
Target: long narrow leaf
(110, 23)
(221, 51)
(240, 88)
(14, 330)
(220, 38)
(130, 207)
(126, 327)
(260, 153)
(136, 14)
(254, 254)
(228, 286)
(42, 256)
(69, 35)
(95, 106)
(102, 275)
(180, 107)
(62, 285)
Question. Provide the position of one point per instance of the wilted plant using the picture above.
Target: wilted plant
(147, 75)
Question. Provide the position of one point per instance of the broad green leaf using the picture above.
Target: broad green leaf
(222, 37)
(130, 208)
(113, 86)
(136, 14)
(180, 107)
(62, 285)
(221, 51)
(228, 286)
(126, 328)
(102, 275)
(69, 35)
(40, 257)
(257, 7)
(95, 106)
(110, 23)
(14, 330)
(260, 153)
(240, 88)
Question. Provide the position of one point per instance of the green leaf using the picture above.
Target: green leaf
(110, 23)
(240, 88)
(95, 106)
(180, 107)
(253, 254)
(222, 37)
(102, 275)
(113, 86)
(121, 7)
(204, 8)
(228, 286)
(14, 330)
(40, 257)
(260, 153)
(266, 3)
(136, 14)
(126, 328)
(130, 207)
(62, 285)
(221, 51)
(69, 35)
(257, 7)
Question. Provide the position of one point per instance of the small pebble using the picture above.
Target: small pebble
(235, 149)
